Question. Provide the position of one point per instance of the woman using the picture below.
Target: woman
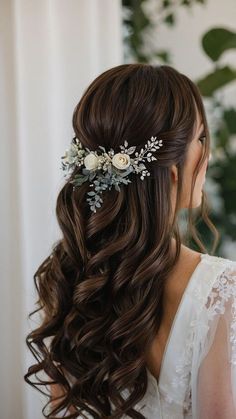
(139, 324)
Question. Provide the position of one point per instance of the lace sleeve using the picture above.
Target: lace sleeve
(214, 386)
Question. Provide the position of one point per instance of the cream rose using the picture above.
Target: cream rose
(121, 161)
(91, 161)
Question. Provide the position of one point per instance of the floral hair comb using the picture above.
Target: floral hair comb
(107, 169)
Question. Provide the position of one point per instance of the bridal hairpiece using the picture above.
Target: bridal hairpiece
(107, 168)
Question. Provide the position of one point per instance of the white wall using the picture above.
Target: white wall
(49, 52)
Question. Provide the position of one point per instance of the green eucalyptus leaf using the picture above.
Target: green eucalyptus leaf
(222, 136)
(164, 55)
(218, 40)
(230, 119)
(170, 19)
(79, 180)
(86, 171)
(140, 18)
(228, 183)
(126, 181)
(166, 3)
(92, 175)
(186, 2)
(213, 81)
(109, 169)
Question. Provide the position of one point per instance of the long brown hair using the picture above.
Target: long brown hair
(100, 291)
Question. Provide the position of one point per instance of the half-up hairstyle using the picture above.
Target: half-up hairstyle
(101, 289)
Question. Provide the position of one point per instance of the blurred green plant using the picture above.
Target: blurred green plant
(215, 42)
(137, 21)
(222, 171)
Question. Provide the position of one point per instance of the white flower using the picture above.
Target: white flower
(91, 161)
(121, 160)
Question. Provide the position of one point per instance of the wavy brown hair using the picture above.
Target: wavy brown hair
(101, 289)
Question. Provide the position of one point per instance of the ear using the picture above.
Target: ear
(174, 173)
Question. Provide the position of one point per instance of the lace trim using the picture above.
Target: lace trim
(233, 333)
(224, 289)
(183, 369)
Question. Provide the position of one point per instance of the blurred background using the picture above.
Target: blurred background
(50, 50)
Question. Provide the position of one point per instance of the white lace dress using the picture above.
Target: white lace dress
(198, 372)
